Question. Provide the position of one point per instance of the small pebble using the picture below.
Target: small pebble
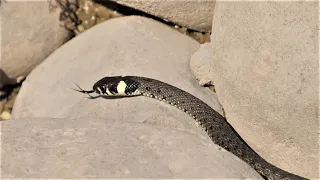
(5, 115)
(85, 8)
(20, 79)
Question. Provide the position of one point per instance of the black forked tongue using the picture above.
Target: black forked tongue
(83, 91)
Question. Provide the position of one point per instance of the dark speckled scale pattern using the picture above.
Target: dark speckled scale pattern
(216, 126)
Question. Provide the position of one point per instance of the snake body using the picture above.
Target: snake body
(216, 126)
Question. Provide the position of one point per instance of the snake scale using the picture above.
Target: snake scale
(216, 126)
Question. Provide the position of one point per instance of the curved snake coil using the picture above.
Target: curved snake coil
(216, 126)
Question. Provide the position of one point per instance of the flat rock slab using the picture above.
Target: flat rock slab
(100, 148)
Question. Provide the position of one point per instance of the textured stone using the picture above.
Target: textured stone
(264, 64)
(30, 32)
(196, 15)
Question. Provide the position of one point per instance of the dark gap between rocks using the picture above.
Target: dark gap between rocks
(127, 11)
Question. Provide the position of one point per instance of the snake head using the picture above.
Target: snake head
(111, 86)
(114, 86)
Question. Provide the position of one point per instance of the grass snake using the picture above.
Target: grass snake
(216, 126)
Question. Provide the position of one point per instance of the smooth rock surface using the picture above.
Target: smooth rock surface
(29, 33)
(264, 64)
(107, 148)
(196, 15)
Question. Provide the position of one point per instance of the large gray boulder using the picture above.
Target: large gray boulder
(142, 49)
(29, 33)
(113, 138)
(263, 59)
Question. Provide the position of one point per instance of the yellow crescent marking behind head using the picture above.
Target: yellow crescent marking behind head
(121, 88)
